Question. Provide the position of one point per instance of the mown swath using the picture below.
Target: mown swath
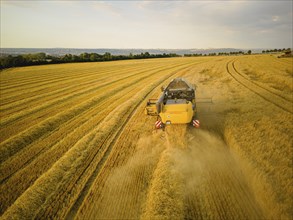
(77, 144)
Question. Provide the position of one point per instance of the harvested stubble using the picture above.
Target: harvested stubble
(34, 138)
(93, 154)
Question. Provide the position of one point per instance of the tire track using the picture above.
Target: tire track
(263, 93)
(241, 74)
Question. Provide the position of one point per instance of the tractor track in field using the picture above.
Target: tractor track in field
(274, 93)
(109, 141)
(262, 92)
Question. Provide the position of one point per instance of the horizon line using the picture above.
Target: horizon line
(111, 48)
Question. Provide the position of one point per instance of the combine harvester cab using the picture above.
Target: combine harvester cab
(176, 105)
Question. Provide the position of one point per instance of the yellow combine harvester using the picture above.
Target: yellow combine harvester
(176, 105)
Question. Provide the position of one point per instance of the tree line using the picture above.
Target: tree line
(217, 54)
(276, 50)
(42, 58)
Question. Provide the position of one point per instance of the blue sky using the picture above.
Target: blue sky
(146, 24)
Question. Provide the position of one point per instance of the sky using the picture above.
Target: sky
(146, 24)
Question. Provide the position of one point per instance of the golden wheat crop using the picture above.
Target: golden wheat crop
(75, 142)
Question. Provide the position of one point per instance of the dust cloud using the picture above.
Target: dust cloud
(176, 174)
(197, 178)
(127, 186)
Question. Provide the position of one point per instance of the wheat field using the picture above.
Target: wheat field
(75, 142)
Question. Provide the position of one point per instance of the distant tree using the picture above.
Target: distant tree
(75, 58)
(84, 56)
(67, 58)
(107, 56)
(93, 57)
(212, 54)
(146, 54)
(40, 56)
(6, 62)
(249, 52)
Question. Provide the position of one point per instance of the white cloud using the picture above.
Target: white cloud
(172, 24)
